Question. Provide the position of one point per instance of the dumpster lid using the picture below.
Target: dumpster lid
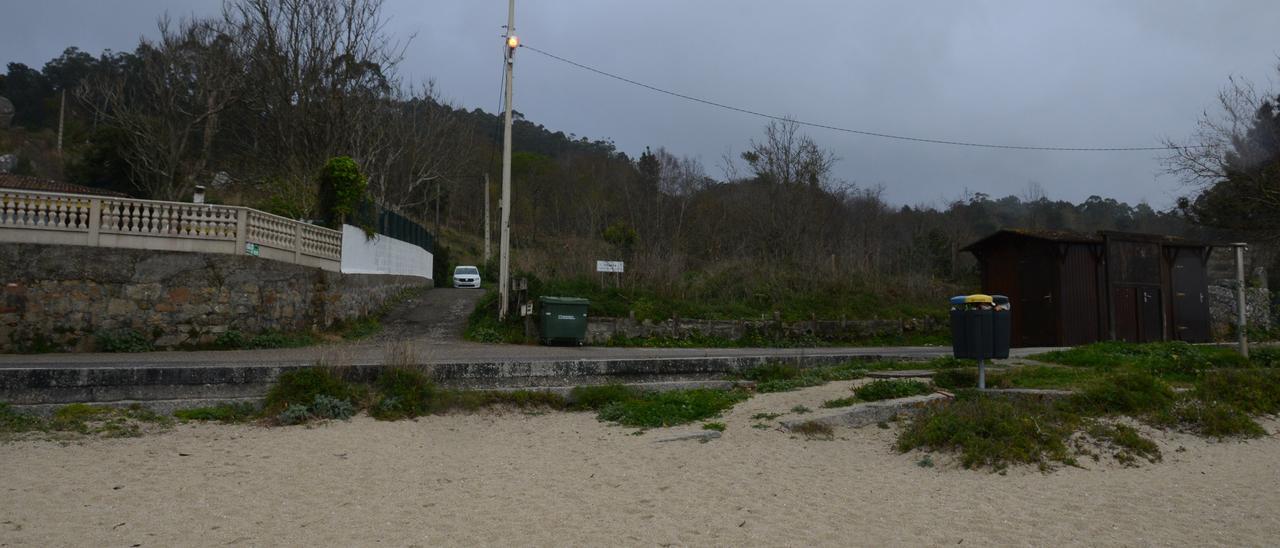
(563, 300)
(978, 298)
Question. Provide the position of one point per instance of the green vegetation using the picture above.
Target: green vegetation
(1111, 380)
(483, 325)
(630, 407)
(342, 188)
(126, 340)
(82, 419)
(800, 410)
(885, 389)
(717, 426)
(301, 387)
(765, 416)
(813, 430)
(841, 402)
(658, 409)
(225, 413)
(1175, 361)
(785, 377)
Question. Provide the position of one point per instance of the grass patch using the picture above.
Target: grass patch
(841, 402)
(1172, 361)
(800, 410)
(779, 377)
(717, 426)
(1126, 442)
(1031, 376)
(229, 413)
(814, 430)
(402, 393)
(83, 419)
(659, 409)
(886, 389)
(765, 416)
(991, 432)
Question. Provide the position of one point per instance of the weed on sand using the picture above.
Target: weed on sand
(785, 377)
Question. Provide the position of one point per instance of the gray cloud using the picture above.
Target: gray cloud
(1081, 73)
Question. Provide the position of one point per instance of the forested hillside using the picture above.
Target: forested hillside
(251, 104)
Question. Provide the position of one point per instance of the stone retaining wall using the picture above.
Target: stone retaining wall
(60, 297)
(600, 330)
(1223, 314)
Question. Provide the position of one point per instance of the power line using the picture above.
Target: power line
(842, 129)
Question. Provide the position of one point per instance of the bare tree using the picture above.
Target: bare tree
(170, 109)
(788, 157)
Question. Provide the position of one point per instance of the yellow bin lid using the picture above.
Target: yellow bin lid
(979, 298)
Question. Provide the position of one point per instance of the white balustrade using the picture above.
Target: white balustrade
(47, 217)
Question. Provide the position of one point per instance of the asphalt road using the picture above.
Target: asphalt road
(432, 325)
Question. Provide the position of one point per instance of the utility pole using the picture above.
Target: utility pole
(1240, 300)
(504, 245)
(487, 254)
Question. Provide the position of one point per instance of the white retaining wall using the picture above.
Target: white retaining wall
(382, 255)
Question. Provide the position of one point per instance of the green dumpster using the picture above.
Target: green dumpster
(562, 320)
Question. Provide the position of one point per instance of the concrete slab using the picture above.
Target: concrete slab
(863, 414)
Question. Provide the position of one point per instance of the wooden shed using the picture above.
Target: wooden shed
(1069, 288)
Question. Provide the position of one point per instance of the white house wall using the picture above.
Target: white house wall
(382, 255)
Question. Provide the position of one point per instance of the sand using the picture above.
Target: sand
(566, 479)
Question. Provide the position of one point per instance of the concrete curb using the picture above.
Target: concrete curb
(863, 414)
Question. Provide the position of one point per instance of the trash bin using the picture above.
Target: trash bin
(562, 320)
(1001, 326)
(972, 326)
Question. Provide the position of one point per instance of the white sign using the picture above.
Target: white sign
(609, 266)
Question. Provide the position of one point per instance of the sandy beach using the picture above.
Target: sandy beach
(503, 478)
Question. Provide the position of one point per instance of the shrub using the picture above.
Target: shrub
(294, 414)
(342, 188)
(597, 397)
(1127, 440)
(886, 389)
(1266, 356)
(231, 339)
(992, 432)
(652, 410)
(953, 379)
(813, 430)
(1209, 418)
(785, 377)
(14, 421)
(1127, 392)
(1253, 391)
(328, 407)
(301, 386)
(404, 393)
(226, 413)
(841, 402)
(123, 341)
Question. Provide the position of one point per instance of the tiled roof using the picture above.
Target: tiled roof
(23, 182)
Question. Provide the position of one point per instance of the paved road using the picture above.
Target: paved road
(433, 324)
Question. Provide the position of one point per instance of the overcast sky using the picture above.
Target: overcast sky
(1084, 73)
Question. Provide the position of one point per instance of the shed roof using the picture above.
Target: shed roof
(1163, 239)
(1036, 234)
(23, 182)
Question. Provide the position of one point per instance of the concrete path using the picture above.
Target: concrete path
(433, 325)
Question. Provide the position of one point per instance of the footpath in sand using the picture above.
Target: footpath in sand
(564, 478)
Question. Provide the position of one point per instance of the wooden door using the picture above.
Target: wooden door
(1190, 298)
(1035, 309)
(1150, 315)
(1125, 300)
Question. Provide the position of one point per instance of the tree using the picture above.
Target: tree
(1233, 159)
(787, 157)
(342, 190)
(169, 111)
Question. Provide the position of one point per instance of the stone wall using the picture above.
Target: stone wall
(59, 297)
(600, 330)
(1222, 309)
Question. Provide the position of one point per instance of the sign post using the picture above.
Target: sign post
(617, 267)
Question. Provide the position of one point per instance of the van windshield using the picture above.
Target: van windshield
(467, 270)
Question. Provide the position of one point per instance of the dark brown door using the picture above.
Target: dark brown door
(1190, 304)
(1035, 308)
(1125, 300)
(1150, 315)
